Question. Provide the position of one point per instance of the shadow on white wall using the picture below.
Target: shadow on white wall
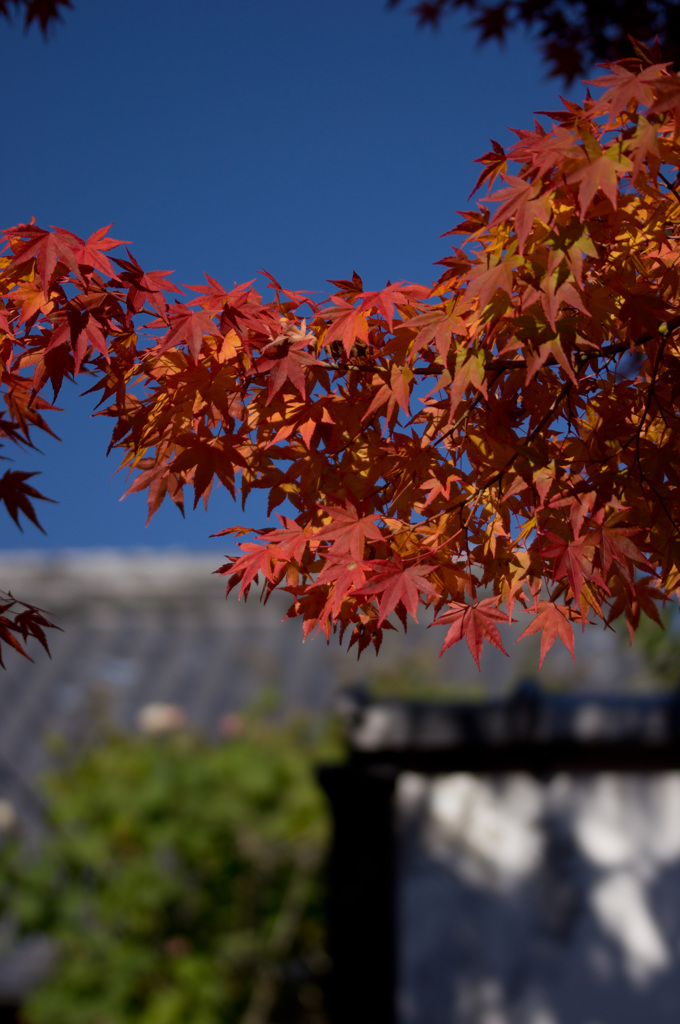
(527, 902)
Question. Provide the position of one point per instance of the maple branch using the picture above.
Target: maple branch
(606, 352)
(638, 434)
(672, 187)
(376, 368)
(660, 499)
(500, 364)
(238, 385)
(466, 415)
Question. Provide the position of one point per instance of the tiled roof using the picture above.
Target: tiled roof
(149, 626)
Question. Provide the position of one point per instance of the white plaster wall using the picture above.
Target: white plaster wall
(523, 902)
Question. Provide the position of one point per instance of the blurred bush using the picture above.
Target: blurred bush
(659, 647)
(181, 880)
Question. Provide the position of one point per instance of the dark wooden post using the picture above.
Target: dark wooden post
(361, 894)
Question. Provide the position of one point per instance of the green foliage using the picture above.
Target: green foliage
(659, 645)
(182, 882)
(416, 678)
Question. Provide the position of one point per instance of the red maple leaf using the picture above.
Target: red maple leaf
(205, 457)
(145, 287)
(285, 359)
(600, 172)
(398, 584)
(348, 325)
(436, 326)
(522, 202)
(573, 561)
(349, 531)
(343, 578)
(16, 494)
(627, 87)
(385, 301)
(48, 248)
(616, 547)
(91, 252)
(396, 393)
(78, 329)
(186, 326)
(29, 622)
(553, 620)
(291, 540)
(256, 558)
(487, 280)
(495, 162)
(476, 623)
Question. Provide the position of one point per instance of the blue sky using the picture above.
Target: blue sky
(310, 138)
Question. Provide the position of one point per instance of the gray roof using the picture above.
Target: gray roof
(153, 626)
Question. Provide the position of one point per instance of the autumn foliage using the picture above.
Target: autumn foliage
(502, 444)
(44, 13)
(571, 34)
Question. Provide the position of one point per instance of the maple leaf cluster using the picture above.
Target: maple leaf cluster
(44, 12)
(572, 34)
(504, 441)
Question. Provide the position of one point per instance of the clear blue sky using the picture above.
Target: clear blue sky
(310, 138)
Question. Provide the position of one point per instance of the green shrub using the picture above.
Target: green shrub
(181, 882)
